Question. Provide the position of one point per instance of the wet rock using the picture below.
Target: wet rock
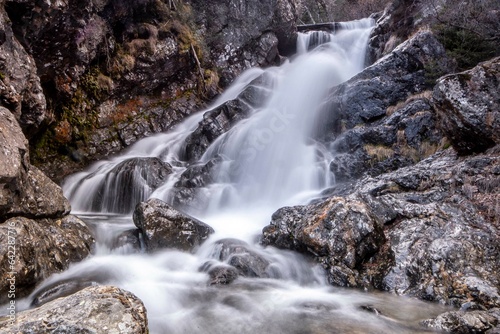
(91, 310)
(58, 290)
(221, 275)
(41, 247)
(24, 190)
(164, 227)
(429, 231)
(128, 241)
(219, 120)
(466, 322)
(468, 105)
(129, 183)
(339, 232)
(377, 124)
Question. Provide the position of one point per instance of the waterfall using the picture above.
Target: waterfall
(267, 160)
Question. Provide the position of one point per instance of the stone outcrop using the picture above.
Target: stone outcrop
(32, 250)
(468, 105)
(430, 231)
(165, 227)
(95, 309)
(375, 123)
(24, 189)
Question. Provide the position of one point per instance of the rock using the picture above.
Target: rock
(430, 231)
(468, 105)
(91, 310)
(376, 124)
(164, 227)
(41, 247)
(465, 322)
(222, 275)
(20, 88)
(128, 241)
(219, 120)
(24, 190)
(339, 232)
(58, 290)
(128, 183)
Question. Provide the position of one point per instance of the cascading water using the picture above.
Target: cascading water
(268, 160)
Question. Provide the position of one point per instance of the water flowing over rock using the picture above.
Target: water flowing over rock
(468, 105)
(427, 231)
(42, 247)
(164, 227)
(24, 189)
(92, 310)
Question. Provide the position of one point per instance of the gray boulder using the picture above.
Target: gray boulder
(164, 227)
(32, 250)
(97, 309)
(468, 105)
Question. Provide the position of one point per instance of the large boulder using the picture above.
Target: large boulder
(468, 105)
(462, 322)
(430, 231)
(376, 123)
(24, 190)
(32, 250)
(162, 226)
(95, 309)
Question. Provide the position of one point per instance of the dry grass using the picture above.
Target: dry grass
(378, 152)
(425, 95)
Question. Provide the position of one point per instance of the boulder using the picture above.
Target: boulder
(94, 309)
(461, 322)
(126, 184)
(24, 190)
(340, 233)
(162, 226)
(468, 105)
(32, 250)
(429, 231)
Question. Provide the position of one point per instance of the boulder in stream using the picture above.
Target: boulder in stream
(97, 309)
(39, 248)
(163, 226)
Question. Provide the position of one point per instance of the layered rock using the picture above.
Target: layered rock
(91, 310)
(165, 227)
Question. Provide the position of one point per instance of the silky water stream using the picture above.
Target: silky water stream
(269, 160)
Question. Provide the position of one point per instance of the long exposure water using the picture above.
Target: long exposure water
(269, 160)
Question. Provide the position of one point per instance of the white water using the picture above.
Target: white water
(270, 161)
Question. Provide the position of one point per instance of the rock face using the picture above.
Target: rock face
(164, 227)
(32, 250)
(430, 231)
(375, 123)
(92, 310)
(20, 88)
(24, 190)
(86, 79)
(468, 105)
